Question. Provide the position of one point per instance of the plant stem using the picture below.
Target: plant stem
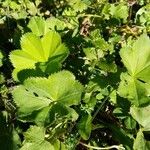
(101, 106)
(119, 147)
(84, 15)
(89, 15)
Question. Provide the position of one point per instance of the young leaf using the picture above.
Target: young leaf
(35, 139)
(38, 93)
(35, 49)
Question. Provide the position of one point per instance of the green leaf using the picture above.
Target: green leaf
(9, 138)
(35, 139)
(59, 145)
(1, 59)
(32, 8)
(22, 96)
(79, 5)
(85, 126)
(38, 93)
(38, 26)
(71, 20)
(142, 116)
(107, 66)
(91, 53)
(143, 16)
(136, 84)
(32, 136)
(58, 111)
(140, 143)
(35, 49)
(136, 91)
(130, 123)
(120, 11)
(136, 58)
(2, 78)
(122, 136)
(55, 24)
(60, 87)
(99, 42)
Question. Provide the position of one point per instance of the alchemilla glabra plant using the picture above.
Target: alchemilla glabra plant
(74, 75)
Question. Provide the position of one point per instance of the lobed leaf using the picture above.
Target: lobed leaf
(142, 116)
(36, 49)
(85, 126)
(140, 139)
(38, 26)
(35, 139)
(136, 84)
(36, 94)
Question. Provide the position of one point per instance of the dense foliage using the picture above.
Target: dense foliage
(74, 74)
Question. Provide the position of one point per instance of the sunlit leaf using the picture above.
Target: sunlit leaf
(35, 49)
(136, 84)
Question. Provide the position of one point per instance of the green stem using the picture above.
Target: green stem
(101, 106)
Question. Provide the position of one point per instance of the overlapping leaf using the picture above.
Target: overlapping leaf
(136, 84)
(120, 11)
(38, 93)
(85, 127)
(140, 139)
(142, 116)
(38, 26)
(35, 139)
(79, 5)
(36, 49)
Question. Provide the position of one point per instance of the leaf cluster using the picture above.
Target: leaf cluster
(74, 74)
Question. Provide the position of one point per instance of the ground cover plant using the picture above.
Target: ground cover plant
(74, 74)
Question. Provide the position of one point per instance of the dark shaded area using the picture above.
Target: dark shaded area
(9, 139)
